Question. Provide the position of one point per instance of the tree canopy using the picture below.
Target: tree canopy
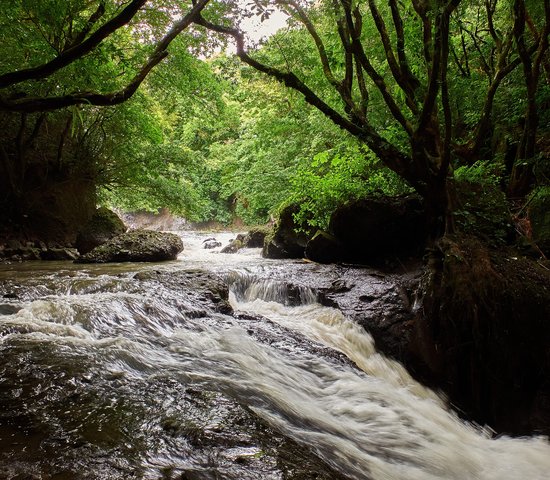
(404, 94)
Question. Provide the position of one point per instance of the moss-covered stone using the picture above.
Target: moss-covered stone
(255, 237)
(136, 246)
(286, 241)
(104, 225)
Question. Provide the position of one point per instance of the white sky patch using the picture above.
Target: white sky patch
(256, 30)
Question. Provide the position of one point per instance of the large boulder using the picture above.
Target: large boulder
(286, 241)
(104, 225)
(255, 237)
(324, 248)
(136, 246)
(374, 229)
(483, 334)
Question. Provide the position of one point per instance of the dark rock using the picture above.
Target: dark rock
(539, 217)
(256, 236)
(7, 309)
(22, 253)
(234, 245)
(104, 225)
(57, 254)
(374, 229)
(286, 241)
(483, 334)
(324, 248)
(136, 246)
(211, 243)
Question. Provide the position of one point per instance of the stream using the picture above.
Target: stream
(146, 371)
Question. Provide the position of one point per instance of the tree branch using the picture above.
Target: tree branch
(363, 60)
(70, 55)
(51, 103)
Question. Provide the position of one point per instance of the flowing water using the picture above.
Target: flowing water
(141, 371)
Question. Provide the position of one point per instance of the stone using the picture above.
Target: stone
(286, 241)
(374, 229)
(255, 237)
(104, 225)
(8, 309)
(210, 243)
(234, 245)
(58, 254)
(324, 248)
(136, 246)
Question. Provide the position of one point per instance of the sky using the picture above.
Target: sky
(255, 29)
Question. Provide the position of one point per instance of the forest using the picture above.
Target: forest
(443, 98)
(373, 105)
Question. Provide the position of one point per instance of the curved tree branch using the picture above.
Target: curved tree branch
(108, 99)
(75, 52)
(388, 153)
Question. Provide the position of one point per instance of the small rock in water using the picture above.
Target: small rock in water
(210, 243)
(7, 309)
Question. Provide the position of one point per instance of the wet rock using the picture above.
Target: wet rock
(255, 237)
(324, 248)
(210, 243)
(20, 254)
(58, 254)
(136, 246)
(7, 309)
(103, 226)
(483, 334)
(373, 229)
(286, 241)
(234, 245)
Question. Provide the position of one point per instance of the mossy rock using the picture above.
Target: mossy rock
(255, 237)
(373, 229)
(136, 246)
(104, 225)
(286, 241)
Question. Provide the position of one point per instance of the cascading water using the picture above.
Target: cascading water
(128, 371)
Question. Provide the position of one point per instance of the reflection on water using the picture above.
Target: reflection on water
(132, 371)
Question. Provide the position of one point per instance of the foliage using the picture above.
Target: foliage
(334, 177)
(405, 95)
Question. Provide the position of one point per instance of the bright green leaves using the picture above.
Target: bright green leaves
(337, 176)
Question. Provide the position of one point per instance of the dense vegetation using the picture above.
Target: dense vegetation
(134, 102)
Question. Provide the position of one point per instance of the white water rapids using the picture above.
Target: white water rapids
(367, 419)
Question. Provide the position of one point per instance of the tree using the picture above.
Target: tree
(413, 85)
(67, 64)
(72, 41)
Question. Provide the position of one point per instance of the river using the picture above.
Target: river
(143, 371)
